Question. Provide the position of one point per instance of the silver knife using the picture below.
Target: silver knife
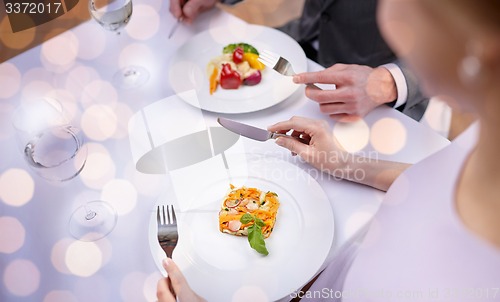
(176, 25)
(248, 131)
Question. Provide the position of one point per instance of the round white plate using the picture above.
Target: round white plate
(222, 267)
(189, 63)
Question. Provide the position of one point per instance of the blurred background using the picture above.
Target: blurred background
(270, 13)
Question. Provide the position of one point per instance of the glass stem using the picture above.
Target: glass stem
(89, 213)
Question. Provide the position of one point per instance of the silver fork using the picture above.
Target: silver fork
(279, 64)
(167, 229)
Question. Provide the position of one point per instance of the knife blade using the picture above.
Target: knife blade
(174, 28)
(247, 130)
(179, 21)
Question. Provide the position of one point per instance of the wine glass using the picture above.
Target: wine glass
(92, 221)
(113, 15)
(53, 148)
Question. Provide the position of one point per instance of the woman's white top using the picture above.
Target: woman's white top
(417, 247)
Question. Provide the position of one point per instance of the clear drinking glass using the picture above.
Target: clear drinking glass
(55, 150)
(113, 15)
(51, 146)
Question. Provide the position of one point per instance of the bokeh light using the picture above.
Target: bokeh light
(35, 74)
(106, 249)
(352, 136)
(101, 289)
(157, 4)
(98, 92)
(77, 80)
(146, 184)
(99, 168)
(388, 136)
(16, 187)
(10, 77)
(121, 194)
(131, 288)
(21, 277)
(99, 122)
(58, 254)
(123, 115)
(220, 29)
(67, 101)
(83, 259)
(92, 40)
(13, 239)
(438, 116)
(61, 50)
(144, 24)
(59, 250)
(149, 288)
(6, 129)
(136, 54)
(60, 296)
(36, 89)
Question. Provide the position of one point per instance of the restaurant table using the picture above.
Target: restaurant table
(39, 260)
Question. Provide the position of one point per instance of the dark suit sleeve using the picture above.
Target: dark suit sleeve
(416, 102)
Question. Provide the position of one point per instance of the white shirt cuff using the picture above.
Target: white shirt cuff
(400, 81)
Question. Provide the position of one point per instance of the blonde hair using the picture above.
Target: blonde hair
(484, 13)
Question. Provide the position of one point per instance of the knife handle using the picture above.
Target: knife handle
(275, 135)
(303, 140)
(314, 86)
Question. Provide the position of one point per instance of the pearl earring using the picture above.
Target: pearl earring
(470, 66)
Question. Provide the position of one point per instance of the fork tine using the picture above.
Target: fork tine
(269, 54)
(266, 62)
(165, 217)
(168, 221)
(158, 219)
(174, 219)
(268, 58)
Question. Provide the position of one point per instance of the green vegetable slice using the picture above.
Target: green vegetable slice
(246, 48)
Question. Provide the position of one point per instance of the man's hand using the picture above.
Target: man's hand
(359, 89)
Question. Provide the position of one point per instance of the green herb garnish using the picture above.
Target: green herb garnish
(255, 237)
(246, 48)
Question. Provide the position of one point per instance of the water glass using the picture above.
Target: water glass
(51, 146)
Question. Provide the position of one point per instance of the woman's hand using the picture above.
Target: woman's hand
(315, 143)
(175, 286)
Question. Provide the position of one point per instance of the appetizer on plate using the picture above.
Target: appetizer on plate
(237, 65)
(249, 212)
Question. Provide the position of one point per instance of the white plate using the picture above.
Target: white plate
(189, 63)
(221, 267)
